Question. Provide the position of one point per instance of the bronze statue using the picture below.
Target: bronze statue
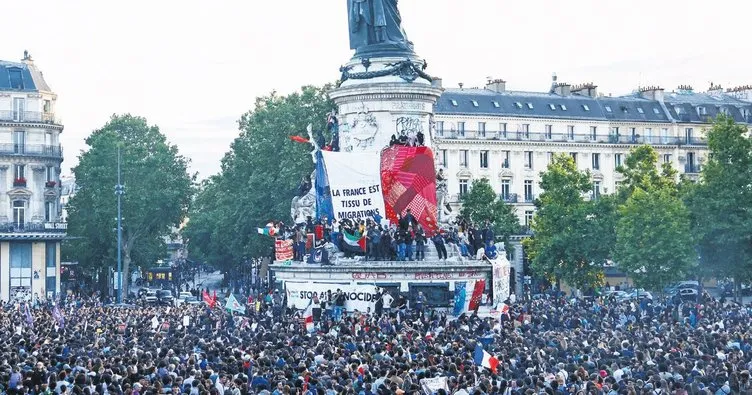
(376, 28)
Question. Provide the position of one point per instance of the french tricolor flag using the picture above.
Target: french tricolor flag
(483, 358)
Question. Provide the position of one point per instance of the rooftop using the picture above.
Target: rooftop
(22, 76)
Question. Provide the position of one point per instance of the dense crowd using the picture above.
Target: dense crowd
(545, 346)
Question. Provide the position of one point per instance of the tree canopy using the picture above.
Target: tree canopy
(158, 189)
(482, 204)
(259, 177)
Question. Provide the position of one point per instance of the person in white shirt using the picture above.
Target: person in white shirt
(387, 300)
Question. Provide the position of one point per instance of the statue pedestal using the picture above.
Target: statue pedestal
(382, 97)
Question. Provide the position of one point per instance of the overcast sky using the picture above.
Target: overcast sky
(193, 67)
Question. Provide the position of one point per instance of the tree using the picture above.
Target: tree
(640, 170)
(653, 241)
(259, 177)
(571, 235)
(158, 190)
(482, 204)
(721, 203)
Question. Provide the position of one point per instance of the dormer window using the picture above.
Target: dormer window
(679, 110)
(454, 103)
(530, 105)
(16, 78)
(495, 104)
(702, 111)
(640, 110)
(518, 104)
(608, 108)
(656, 110)
(552, 107)
(586, 107)
(475, 103)
(563, 107)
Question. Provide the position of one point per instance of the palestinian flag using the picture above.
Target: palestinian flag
(355, 241)
(268, 230)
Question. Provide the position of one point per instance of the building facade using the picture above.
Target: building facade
(509, 137)
(30, 159)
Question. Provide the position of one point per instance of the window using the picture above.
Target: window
(593, 133)
(481, 129)
(596, 159)
(443, 157)
(666, 158)
(624, 109)
(47, 106)
(51, 256)
(505, 188)
(615, 131)
(640, 110)
(679, 110)
(529, 191)
(463, 158)
(19, 109)
(552, 107)
(503, 129)
(596, 189)
(454, 103)
(19, 213)
(528, 218)
(19, 172)
(48, 141)
(528, 159)
(440, 128)
(656, 110)
(475, 103)
(574, 156)
(461, 129)
(16, 78)
(463, 187)
(586, 107)
(570, 132)
(563, 107)
(702, 111)
(526, 130)
(648, 135)
(664, 135)
(618, 158)
(549, 157)
(505, 159)
(530, 106)
(484, 159)
(549, 131)
(50, 172)
(49, 211)
(688, 132)
(518, 104)
(633, 134)
(20, 269)
(19, 142)
(495, 104)
(608, 108)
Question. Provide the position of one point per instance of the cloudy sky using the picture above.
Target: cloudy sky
(193, 67)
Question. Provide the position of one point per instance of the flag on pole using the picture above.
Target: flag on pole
(58, 316)
(477, 296)
(355, 241)
(233, 305)
(482, 358)
(460, 294)
(299, 139)
(308, 318)
(209, 300)
(29, 317)
(268, 230)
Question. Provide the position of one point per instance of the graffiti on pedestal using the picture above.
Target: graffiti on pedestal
(359, 130)
(411, 129)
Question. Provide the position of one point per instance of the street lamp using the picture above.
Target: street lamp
(119, 191)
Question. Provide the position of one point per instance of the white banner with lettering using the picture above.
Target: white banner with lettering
(357, 297)
(355, 183)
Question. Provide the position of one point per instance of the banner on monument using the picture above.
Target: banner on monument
(357, 297)
(501, 269)
(355, 184)
(408, 177)
(283, 250)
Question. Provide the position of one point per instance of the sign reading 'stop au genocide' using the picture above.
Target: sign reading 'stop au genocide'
(355, 184)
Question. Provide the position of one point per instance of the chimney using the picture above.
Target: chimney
(437, 82)
(498, 86)
(461, 85)
(586, 89)
(27, 58)
(563, 89)
(685, 89)
(715, 89)
(743, 93)
(652, 93)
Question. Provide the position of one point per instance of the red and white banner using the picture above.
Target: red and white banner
(283, 250)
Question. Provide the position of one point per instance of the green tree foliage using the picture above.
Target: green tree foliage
(158, 190)
(259, 177)
(653, 241)
(721, 203)
(571, 235)
(482, 204)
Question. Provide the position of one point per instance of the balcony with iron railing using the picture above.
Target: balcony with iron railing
(509, 197)
(690, 168)
(33, 227)
(37, 150)
(589, 138)
(28, 117)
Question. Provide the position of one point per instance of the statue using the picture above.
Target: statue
(376, 28)
(304, 206)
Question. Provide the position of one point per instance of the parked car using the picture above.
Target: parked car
(618, 295)
(150, 296)
(165, 297)
(673, 289)
(640, 294)
(185, 297)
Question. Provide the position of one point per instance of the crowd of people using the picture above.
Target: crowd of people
(543, 346)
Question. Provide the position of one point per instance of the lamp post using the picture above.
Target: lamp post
(119, 190)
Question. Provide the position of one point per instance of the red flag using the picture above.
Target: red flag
(299, 139)
(208, 299)
(475, 300)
